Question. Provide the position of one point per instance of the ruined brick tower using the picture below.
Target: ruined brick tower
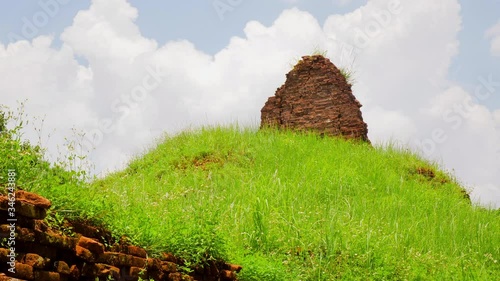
(316, 96)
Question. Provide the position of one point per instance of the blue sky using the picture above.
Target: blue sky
(428, 75)
(198, 22)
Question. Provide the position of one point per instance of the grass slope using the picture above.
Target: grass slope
(291, 206)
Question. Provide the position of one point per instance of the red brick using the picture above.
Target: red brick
(227, 275)
(154, 264)
(74, 272)
(233, 267)
(62, 267)
(22, 271)
(168, 257)
(179, 277)
(25, 234)
(168, 266)
(4, 277)
(4, 255)
(84, 254)
(316, 97)
(35, 261)
(92, 245)
(47, 276)
(137, 272)
(156, 275)
(27, 204)
(175, 277)
(120, 259)
(136, 251)
(102, 270)
(32, 199)
(22, 234)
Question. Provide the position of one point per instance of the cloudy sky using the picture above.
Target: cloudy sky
(122, 72)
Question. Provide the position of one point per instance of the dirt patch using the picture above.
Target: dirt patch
(204, 161)
(426, 172)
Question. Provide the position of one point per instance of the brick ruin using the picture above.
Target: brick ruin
(43, 253)
(317, 97)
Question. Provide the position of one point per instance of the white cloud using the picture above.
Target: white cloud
(107, 31)
(390, 126)
(494, 33)
(133, 89)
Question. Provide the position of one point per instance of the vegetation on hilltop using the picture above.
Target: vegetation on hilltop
(27, 160)
(285, 205)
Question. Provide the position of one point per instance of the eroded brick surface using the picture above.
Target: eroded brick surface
(120, 259)
(43, 253)
(316, 97)
(84, 254)
(47, 276)
(35, 261)
(62, 267)
(27, 204)
(91, 244)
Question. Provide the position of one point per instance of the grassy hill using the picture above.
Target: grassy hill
(289, 206)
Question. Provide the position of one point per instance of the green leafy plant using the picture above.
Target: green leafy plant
(347, 72)
(258, 268)
(348, 75)
(285, 205)
(57, 221)
(317, 51)
(198, 246)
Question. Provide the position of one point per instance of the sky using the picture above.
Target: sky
(113, 75)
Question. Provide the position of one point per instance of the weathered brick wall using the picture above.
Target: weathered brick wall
(316, 96)
(42, 253)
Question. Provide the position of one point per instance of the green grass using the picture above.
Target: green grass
(291, 206)
(347, 72)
